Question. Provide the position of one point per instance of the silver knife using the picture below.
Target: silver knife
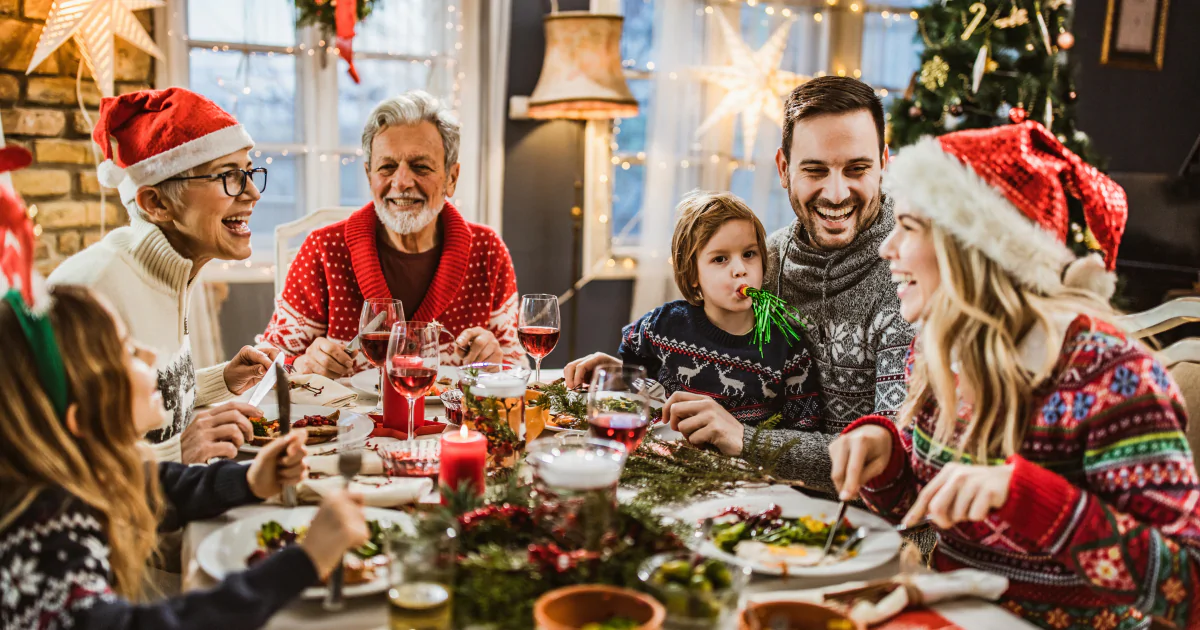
(267, 382)
(283, 396)
(833, 529)
(349, 465)
(371, 327)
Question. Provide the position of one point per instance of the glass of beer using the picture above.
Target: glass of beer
(421, 591)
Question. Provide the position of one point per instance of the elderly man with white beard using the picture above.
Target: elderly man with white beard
(409, 243)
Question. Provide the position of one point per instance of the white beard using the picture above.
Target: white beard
(406, 222)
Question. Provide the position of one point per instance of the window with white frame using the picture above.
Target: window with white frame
(887, 53)
(291, 90)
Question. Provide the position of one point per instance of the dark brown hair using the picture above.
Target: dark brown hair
(829, 95)
(701, 214)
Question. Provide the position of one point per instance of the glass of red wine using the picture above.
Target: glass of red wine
(617, 405)
(538, 328)
(412, 361)
(375, 329)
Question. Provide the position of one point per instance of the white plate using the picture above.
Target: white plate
(879, 547)
(367, 382)
(225, 550)
(360, 425)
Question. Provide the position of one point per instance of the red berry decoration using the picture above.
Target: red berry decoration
(1018, 114)
(1066, 41)
(914, 111)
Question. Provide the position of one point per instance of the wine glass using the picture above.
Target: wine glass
(374, 330)
(538, 327)
(617, 405)
(412, 361)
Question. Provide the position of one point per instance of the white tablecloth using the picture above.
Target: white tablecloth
(370, 613)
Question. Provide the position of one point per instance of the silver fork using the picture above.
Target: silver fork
(349, 465)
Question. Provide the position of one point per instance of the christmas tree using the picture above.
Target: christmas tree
(995, 62)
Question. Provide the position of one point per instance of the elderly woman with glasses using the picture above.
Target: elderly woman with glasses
(182, 167)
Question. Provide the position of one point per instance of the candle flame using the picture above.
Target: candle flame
(462, 431)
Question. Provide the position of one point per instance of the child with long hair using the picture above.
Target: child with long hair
(80, 503)
(1043, 442)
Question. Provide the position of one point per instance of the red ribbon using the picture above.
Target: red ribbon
(345, 15)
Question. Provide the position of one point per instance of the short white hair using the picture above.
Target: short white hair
(413, 108)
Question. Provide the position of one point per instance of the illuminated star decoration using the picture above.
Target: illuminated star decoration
(93, 23)
(754, 84)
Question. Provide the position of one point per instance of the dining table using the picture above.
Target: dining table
(370, 612)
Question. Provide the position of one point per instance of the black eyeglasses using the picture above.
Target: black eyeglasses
(238, 176)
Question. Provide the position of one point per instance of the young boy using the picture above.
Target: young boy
(701, 349)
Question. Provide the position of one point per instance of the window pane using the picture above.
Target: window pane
(637, 36)
(626, 205)
(354, 189)
(381, 78)
(279, 204)
(406, 27)
(630, 133)
(891, 51)
(776, 213)
(266, 22)
(258, 89)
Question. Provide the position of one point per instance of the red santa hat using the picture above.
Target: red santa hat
(16, 230)
(160, 134)
(1004, 191)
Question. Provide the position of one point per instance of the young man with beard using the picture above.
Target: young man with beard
(182, 166)
(411, 244)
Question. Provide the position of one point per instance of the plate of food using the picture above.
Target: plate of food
(247, 541)
(367, 382)
(322, 424)
(566, 409)
(784, 534)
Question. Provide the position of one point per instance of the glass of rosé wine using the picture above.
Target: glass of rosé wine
(617, 405)
(538, 328)
(374, 331)
(412, 361)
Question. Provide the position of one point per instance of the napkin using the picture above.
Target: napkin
(332, 394)
(420, 427)
(327, 464)
(875, 602)
(382, 492)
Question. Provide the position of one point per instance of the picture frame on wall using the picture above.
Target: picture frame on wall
(1135, 34)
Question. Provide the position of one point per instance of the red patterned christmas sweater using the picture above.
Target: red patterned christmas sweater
(1101, 529)
(338, 267)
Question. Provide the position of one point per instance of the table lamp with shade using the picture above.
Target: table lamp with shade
(581, 79)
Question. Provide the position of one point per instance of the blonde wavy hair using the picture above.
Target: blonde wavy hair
(969, 341)
(103, 466)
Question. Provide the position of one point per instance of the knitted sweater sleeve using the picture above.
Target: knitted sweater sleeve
(890, 337)
(636, 347)
(200, 492)
(1132, 530)
(503, 314)
(302, 309)
(892, 492)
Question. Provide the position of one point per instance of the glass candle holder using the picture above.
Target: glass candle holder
(411, 458)
(575, 483)
(494, 404)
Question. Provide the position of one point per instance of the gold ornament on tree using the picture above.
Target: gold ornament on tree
(934, 73)
(754, 84)
(1014, 19)
(93, 23)
(980, 11)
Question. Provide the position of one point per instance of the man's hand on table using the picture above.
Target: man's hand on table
(217, 432)
(579, 371)
(326, 357)
(248, 368)
(339, 526)
(703, 420)
(478, 345)
(280, 463)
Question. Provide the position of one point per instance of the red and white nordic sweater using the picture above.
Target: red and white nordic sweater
(1101, 528)
(338, 267)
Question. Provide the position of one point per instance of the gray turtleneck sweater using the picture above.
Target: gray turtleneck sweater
(856, 334)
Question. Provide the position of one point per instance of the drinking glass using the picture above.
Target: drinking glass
(375, 330)
(412, 361)
(421, 578)
(538, 328)
(575, 482)
(616, 404)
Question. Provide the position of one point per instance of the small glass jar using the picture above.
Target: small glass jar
(698, 593)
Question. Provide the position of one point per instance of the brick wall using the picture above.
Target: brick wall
(41, 112)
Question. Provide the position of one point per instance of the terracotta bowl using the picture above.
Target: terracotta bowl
(573, 607)
(797, 615)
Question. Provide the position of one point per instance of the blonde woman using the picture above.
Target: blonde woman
(1044, 444)
(79, 506)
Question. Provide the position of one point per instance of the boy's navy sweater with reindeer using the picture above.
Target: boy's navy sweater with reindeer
(683, 350)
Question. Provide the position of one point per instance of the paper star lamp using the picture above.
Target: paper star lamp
(754, 84)
(93, 23)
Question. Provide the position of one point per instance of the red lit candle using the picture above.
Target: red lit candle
(464, 458)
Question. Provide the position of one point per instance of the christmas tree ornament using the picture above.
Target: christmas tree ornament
(754, 83)
(771, 310)
(950, 122)
(980, 11)
(1049, 112)
(1018, 114)
(1066, 41)
(93, 23)
(981, 66)
(336, 20)
(914, 111)
(1045, 33)
(955, 110)
(934, 73)
(1014, 19)
(1072, 96)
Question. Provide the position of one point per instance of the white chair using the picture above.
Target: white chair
(1182, 358)
(285, 232)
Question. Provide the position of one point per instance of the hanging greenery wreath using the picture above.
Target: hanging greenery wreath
(319, 13)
